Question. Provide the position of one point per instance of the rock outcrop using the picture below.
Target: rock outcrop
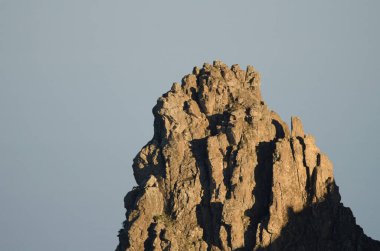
(224, 172)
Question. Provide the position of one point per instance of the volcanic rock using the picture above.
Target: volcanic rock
(224, 172)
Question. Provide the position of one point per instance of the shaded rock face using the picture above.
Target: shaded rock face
(223, 172)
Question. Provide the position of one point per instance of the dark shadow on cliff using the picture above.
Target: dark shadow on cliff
(199, 150)
(208, 214)
(129, 204)
(323, 226)
(263, 176)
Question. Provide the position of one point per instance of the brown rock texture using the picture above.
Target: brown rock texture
(224, 172)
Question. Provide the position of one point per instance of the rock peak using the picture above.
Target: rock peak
(223, 172)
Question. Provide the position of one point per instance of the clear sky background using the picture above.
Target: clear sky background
(78, 80)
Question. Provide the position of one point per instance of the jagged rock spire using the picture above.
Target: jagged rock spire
(223, 172)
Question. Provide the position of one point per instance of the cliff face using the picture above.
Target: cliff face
(223, 172)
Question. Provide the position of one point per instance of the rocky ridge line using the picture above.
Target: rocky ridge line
(223, 172)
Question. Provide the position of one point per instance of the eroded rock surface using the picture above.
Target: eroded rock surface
(224, 172)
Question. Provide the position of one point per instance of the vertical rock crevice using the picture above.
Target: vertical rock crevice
(204, 212)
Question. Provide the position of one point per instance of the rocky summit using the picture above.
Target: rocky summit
(224, 172)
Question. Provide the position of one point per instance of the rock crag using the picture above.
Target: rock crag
(224, 172)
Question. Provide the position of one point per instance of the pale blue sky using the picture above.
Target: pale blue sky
(78, 80)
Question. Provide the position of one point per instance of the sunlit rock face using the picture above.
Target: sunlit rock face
(224, 172)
